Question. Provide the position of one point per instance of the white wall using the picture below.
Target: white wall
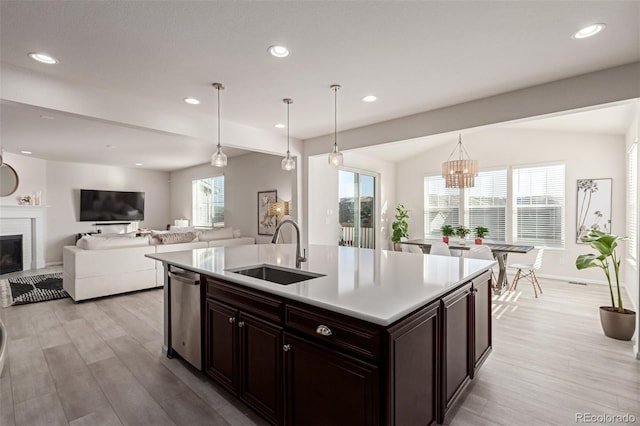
(585, 156)
(32, 177)
(64, 181)
(244, 176)
(323, 197)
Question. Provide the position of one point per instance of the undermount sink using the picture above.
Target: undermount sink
(276, 274)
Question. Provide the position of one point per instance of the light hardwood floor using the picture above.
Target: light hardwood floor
(100, 362)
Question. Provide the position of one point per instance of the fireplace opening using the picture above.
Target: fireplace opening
(10, 253)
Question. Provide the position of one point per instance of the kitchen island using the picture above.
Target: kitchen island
(376, 337)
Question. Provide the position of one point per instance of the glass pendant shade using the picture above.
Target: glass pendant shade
(288, 163)
(218, 159)
(336, 159)
(460, 173)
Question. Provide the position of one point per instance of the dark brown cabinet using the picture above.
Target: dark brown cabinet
(456, 343)
(221, 343)
(481, 302)
(327, 387)
(297, 364)
(244, 354)
(413, 369)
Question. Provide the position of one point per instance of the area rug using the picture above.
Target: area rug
(31, 289)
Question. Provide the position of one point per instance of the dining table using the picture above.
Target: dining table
(499, 250)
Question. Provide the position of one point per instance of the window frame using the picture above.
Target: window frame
(213, 204)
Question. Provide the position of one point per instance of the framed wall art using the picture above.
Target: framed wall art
(593, 206)
(266, 222)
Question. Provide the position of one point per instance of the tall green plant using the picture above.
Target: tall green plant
(606, 245)
(400, 226)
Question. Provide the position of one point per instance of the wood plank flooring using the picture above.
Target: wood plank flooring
(100, 363)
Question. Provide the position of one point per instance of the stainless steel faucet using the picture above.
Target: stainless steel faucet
(276, 234)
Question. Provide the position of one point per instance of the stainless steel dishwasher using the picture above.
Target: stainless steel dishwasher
(185, 316)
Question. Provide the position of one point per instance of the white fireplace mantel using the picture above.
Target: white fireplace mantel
(37, 217)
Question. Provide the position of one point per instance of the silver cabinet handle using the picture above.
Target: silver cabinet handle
(286, 348)
(232, 320)
(323, 330)
(241, 324)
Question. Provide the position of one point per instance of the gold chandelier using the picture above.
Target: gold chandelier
(460, 173)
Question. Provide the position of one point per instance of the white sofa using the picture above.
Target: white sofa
(119, 265)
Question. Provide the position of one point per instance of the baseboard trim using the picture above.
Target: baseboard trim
(49, 264)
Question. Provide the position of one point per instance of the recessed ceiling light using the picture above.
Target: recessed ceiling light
(589, 31)
(192, 101)
(26, 152)
(138, 164)
(43, 57)
(279, 51)
(46, 117)
(279, 126)
(369, 98)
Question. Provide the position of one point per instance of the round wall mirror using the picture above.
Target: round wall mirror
(8, 180)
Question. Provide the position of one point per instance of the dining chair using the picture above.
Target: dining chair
(529, 273)
(439, 248)
(410, 248)
(484, 253)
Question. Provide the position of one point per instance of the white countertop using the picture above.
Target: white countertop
(377, 286)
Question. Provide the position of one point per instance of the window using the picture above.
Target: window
(486, 204)
(632, 201)
(441, 206)
(208, 201)
(538, 205)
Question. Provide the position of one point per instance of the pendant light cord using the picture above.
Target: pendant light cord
(335, 118)
(218, 117)
(288, 103)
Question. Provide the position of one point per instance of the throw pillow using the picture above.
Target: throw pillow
(115, 235)
(216, 234)
(176, 237)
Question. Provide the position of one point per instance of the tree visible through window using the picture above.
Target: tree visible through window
(208, 201)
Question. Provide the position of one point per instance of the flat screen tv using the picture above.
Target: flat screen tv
(96, 205)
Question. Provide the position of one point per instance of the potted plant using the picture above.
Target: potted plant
(480, 232)
(400, 226)
(462, 232)
(617, 322)
(447, 231)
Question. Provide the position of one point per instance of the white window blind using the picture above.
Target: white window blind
(441, 206)
(208, 201)
(632, 200)
(486, 204)
(538, 205)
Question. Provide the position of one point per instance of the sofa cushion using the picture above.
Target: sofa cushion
(89, 242)
(115, 235)
(216, 234)
(176, 237)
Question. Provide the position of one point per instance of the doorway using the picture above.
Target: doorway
(356, 208)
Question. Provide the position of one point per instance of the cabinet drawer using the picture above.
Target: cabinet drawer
(333, 328)
(252, 301)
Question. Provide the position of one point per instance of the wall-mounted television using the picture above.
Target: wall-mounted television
(97, 205)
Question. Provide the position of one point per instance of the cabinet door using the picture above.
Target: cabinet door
(413, 369)
(481, 319)
(325, 387)
(260, 345)
(456, 344)
(221, 344)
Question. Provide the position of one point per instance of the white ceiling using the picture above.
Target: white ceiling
(415, 56)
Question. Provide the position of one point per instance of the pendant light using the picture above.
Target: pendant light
(335, 157)
(218, 159)
(288, 163)
(460, 173)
